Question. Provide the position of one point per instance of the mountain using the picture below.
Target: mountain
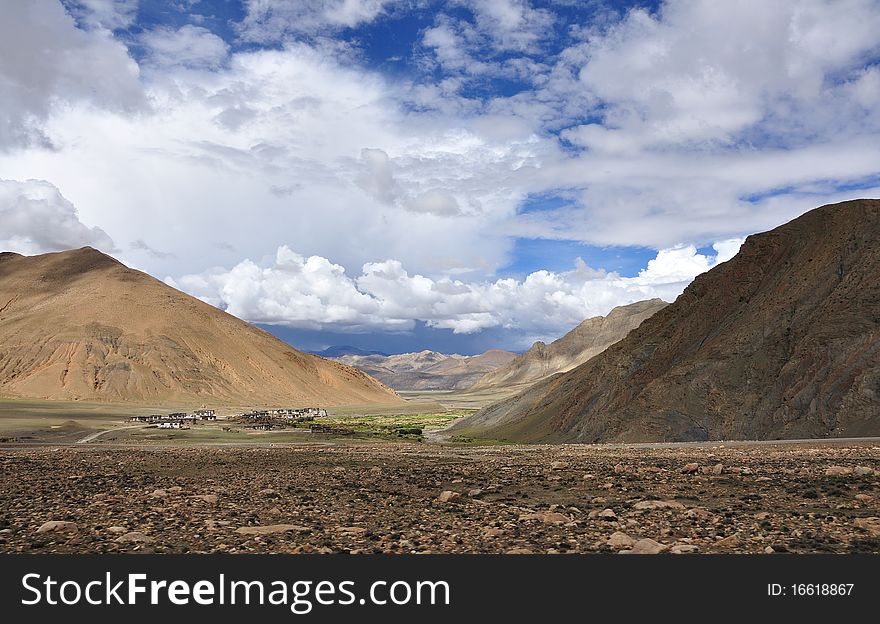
(589, 338)
(339, 351)
(78, 325)
(782, 341)
(429, 370)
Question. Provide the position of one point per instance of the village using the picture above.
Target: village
(263, 419)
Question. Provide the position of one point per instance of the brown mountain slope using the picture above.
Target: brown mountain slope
(589, 338)
(428, 370)
(78, 325)
(782, 341)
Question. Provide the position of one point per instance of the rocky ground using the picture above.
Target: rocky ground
(417, 498)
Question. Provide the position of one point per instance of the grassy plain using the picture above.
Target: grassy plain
(29, 421)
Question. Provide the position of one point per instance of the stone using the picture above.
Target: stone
(646, 546)
(871, 525)
(547, 517)
(558, 465)
(448, 496)
(607, 514)
(619, 469)
(717, 469)
(690, 468)
(376, 470)
(769, 550)
(620, 540)
(271, 529)
(134, 537)
(119, 530)
(474, 492)
(209, 498)
(58, 526)
(351, 530)
(518, 551)
(761, 515)
(158, 493)
(837, 471)
(864, 498)
(269, 493)
(493, 532)
(862, 471)
(684, 549)
(658, 504)
(729, 541)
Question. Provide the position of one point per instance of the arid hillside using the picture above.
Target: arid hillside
(782, 341)
(589, 338)
(78, 325)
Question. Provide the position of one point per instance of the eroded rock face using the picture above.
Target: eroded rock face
(782, 341)
(589, 338)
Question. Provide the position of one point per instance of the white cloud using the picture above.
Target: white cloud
(46, 62)
(109, 14)
(314, 293)
(701, 122)
(187, 46)
(35, 218)
(512, 24)
(288, 147)
(508, 29)
(272, 20)
(700, 71)
(699, 111)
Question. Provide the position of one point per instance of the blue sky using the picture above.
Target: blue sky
(409, 174)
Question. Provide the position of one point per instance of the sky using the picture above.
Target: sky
(409, 174)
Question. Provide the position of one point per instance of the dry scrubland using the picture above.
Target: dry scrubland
(408, 497)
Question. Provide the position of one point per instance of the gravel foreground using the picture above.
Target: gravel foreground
(411, 498)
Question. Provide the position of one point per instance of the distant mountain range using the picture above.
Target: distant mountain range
(497, 371)
(589, 338)
(339, 351)
(78, 325)
(428, 370)
(782, 341)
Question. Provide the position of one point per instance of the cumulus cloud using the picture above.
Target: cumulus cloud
(314, 293)
(35, 218)
(312, 151)
(187, 46)
(697, 122)
(141, 245)
(47, 62)
(511, 24)
(109, 14)
(272, 20)
(698, 72)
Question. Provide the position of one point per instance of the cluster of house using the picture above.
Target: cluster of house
(256, 419)
(176, 420)
(270, 418)
(303, 413)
